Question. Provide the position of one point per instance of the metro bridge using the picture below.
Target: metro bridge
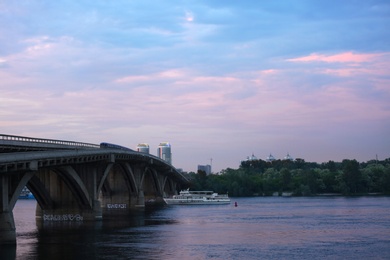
(74, 181)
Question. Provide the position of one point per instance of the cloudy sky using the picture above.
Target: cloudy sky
(216, 79)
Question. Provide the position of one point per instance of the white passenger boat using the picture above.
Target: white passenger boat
(187, 197)
(26, 194)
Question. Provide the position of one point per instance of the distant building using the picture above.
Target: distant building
(164, 152)
(251, 158)
(288, 157)
(270, 158)
(205, 168)
(143, 148)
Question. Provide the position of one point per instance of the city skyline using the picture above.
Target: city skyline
(216, 79)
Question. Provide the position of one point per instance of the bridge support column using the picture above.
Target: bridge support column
(7, 228)
(138, 171)
(97, 210)
(140, 199)
(7, 223)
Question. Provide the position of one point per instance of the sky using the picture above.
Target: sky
(218, 80)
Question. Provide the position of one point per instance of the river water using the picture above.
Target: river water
(258, 228)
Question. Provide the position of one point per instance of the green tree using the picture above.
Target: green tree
(286, 179)
(271, 181)
(258, 177)
(328, 178)
(351, 176)
(375, 175)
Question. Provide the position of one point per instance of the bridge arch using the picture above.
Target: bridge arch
(168, 187)
(40, 192)
(76, 186)
(118, 187)
(18, 189)
(151, 185)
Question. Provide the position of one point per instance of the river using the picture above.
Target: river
(258, 228)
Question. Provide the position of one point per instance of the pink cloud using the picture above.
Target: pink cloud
(346, 57)
(167, 74)
(344, 72)
(269, 72)
(131, 79)
(354, 68)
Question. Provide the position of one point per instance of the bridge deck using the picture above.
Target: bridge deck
(13, 143)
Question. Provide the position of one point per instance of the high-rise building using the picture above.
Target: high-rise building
(143, 148)
(205, 168)
(164, 152)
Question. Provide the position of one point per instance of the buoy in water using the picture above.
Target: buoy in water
(235, 204)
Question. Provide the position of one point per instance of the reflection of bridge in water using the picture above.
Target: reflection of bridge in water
(75, 181)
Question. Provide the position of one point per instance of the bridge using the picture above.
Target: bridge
(74, 181)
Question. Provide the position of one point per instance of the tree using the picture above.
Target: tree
(286, 179)
(351, 175)
(258, 177)
(328, 178)
(299, 163)
(271, 181)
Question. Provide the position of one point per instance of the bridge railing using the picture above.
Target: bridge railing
(47, 141)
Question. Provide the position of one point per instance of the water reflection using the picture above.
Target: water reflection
(268, 228)
(92, 240)
(8, 251)
(39, 239)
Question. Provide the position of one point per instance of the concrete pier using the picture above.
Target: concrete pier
(7, 228)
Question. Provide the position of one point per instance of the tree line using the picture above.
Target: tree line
(298, 178)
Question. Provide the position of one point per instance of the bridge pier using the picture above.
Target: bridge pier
(7, 223)
(140, 199)
(7, 228)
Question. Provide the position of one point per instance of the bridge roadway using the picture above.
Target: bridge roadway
(74, 181)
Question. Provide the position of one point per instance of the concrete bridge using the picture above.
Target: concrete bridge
(75, 181)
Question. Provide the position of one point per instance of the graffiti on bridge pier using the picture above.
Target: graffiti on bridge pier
(63, 217)
(117, 206)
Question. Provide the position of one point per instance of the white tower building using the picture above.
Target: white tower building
(143, 148)
(164, 152)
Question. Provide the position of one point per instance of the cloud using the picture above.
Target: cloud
(189, 16)
(346, 57)
(366, 73)
(269, 72)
